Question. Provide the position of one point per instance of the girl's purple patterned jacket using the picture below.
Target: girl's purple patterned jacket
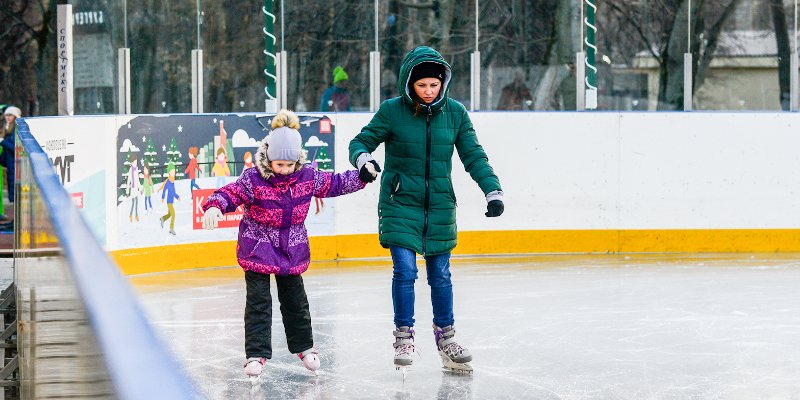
(272, 234)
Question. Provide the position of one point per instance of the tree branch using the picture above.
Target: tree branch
(639, 31)
(712, 39)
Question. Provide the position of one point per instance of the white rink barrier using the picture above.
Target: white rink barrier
(573, 182)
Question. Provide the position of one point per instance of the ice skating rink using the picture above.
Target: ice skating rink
(539, 327)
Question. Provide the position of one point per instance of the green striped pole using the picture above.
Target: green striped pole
(269, 51)
(591, 51)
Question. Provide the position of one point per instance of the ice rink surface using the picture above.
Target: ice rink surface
(539, 327)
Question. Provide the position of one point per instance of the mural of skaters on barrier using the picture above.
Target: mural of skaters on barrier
(169, 165)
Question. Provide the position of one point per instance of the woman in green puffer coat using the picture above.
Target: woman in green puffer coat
(417, 205)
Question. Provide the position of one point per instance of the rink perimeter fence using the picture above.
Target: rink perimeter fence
(81, 331)
(574, 182)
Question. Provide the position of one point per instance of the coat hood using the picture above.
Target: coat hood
(415, 57)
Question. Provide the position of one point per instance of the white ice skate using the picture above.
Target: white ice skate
(404, 348)
(454, 357)
(310, 359)
(253, 368)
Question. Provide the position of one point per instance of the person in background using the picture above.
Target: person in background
(336, 98)
(7, 157)
(515, 96)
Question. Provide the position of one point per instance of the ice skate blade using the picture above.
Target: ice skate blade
(254, 379)
(452, 366)
(403, 369)
(462, 369)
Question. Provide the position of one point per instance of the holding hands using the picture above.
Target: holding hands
(211, 218)
(368, 168)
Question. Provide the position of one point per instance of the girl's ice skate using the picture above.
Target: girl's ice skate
(403, 348)
(310, 359)
(454, 357)
(253, 368)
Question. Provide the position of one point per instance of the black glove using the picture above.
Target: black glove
(494, 208)
(369, 171)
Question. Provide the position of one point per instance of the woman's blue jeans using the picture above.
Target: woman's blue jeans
(403, 278)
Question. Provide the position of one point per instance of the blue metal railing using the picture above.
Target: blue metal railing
(139, 365)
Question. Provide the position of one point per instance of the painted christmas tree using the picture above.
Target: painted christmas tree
(308, 153)
(174, 156)
(150, 159)
(323, 161)
(126, 167)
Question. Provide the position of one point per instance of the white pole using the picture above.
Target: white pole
(124, 79)
(374, 70)
(66, 95)
(687, 63)
(197, 81)
(475, 68)
(687, 82)
(580, 87)
(281, 83)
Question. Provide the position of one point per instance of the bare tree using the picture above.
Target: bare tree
(784, 54)
(662, 31)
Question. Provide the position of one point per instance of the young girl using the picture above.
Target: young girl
(273, 238)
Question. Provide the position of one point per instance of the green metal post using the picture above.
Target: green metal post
(591, 48)
(269, 48)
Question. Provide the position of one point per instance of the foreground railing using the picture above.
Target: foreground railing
(81, 332)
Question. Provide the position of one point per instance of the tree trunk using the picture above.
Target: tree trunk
(670, 93)
(784, 54)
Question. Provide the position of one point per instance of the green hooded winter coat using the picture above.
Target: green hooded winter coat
(417, 205)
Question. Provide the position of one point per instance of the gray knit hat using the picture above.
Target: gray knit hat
(284, 144)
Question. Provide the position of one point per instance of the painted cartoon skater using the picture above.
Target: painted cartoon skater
(192, 170)
(273, 239)
(147, 186)
(248, 161)
(169, 192)
(133, 188)
(220, 169)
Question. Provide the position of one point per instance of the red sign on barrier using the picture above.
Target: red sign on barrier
(78, 199)
(230, 220)
(325, 125)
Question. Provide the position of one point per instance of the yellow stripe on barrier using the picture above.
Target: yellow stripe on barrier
(214, 254)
